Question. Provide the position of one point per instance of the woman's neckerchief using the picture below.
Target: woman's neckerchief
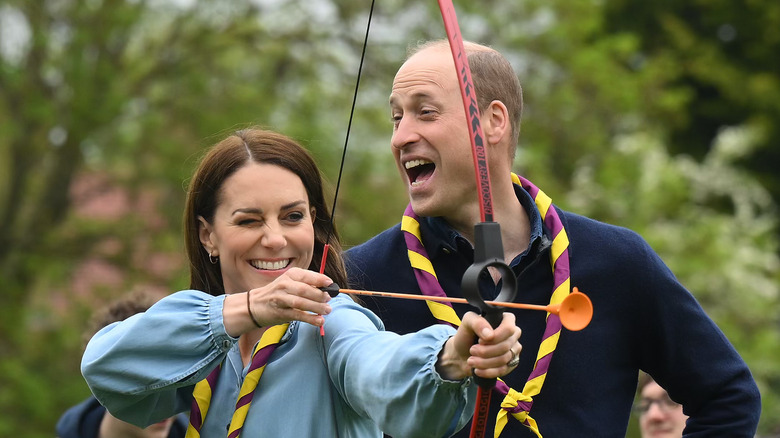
(518, 404)
(201, 395)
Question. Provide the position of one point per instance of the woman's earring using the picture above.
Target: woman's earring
(213, 260)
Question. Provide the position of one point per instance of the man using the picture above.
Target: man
(643, 317)
(659, 415)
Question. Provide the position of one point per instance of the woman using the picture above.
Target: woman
(256, 225)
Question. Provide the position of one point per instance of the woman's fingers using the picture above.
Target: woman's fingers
(286, 315)
(293, 296)
(311, 278)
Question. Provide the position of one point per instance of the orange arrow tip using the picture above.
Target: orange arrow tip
(576, 311)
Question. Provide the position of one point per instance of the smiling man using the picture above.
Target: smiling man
(568, 383)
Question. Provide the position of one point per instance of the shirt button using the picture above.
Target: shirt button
(226, 344)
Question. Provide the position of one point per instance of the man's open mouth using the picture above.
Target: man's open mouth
(419, 171)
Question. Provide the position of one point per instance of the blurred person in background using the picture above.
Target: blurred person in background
(659, 415)
(89, 419)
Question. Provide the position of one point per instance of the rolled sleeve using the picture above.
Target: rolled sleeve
(159, 354)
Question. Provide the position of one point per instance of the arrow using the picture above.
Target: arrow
(575, 311)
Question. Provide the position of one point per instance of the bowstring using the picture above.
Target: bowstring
(331, 226)
(349, 124)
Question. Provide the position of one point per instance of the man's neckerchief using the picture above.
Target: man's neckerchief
(201, 395)
(518, 404)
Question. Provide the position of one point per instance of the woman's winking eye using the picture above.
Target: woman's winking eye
(247, 221)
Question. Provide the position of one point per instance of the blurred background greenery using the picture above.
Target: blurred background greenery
(663, 117)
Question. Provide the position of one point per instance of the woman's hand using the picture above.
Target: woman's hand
(488, 358)
(294, 296)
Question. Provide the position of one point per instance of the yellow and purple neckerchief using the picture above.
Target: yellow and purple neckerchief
(518, 404)
(201, 395)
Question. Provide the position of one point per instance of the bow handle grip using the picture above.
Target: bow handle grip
(488, 253)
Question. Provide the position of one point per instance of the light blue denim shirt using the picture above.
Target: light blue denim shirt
(144, 369)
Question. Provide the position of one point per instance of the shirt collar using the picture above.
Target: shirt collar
(442, 237)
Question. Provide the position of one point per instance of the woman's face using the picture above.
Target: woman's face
(262, 227)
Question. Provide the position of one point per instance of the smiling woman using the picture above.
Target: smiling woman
(241, 349)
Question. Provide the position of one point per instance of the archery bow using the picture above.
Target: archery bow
(488, 248)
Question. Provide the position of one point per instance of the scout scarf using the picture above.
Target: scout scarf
(518, 404)
(201, 395)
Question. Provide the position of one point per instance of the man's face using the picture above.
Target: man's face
(430, 140)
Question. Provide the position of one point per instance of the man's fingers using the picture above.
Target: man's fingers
(496, 352)
(489, 335)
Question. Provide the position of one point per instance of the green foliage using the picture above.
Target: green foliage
(725, 60)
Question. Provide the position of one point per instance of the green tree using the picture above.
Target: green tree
(725, 63)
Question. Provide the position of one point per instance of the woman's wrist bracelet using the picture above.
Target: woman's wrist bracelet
(249, 309)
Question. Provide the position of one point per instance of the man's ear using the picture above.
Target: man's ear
(204, 233)
(495, 122)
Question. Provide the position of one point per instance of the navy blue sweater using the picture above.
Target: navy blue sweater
(643, 319)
